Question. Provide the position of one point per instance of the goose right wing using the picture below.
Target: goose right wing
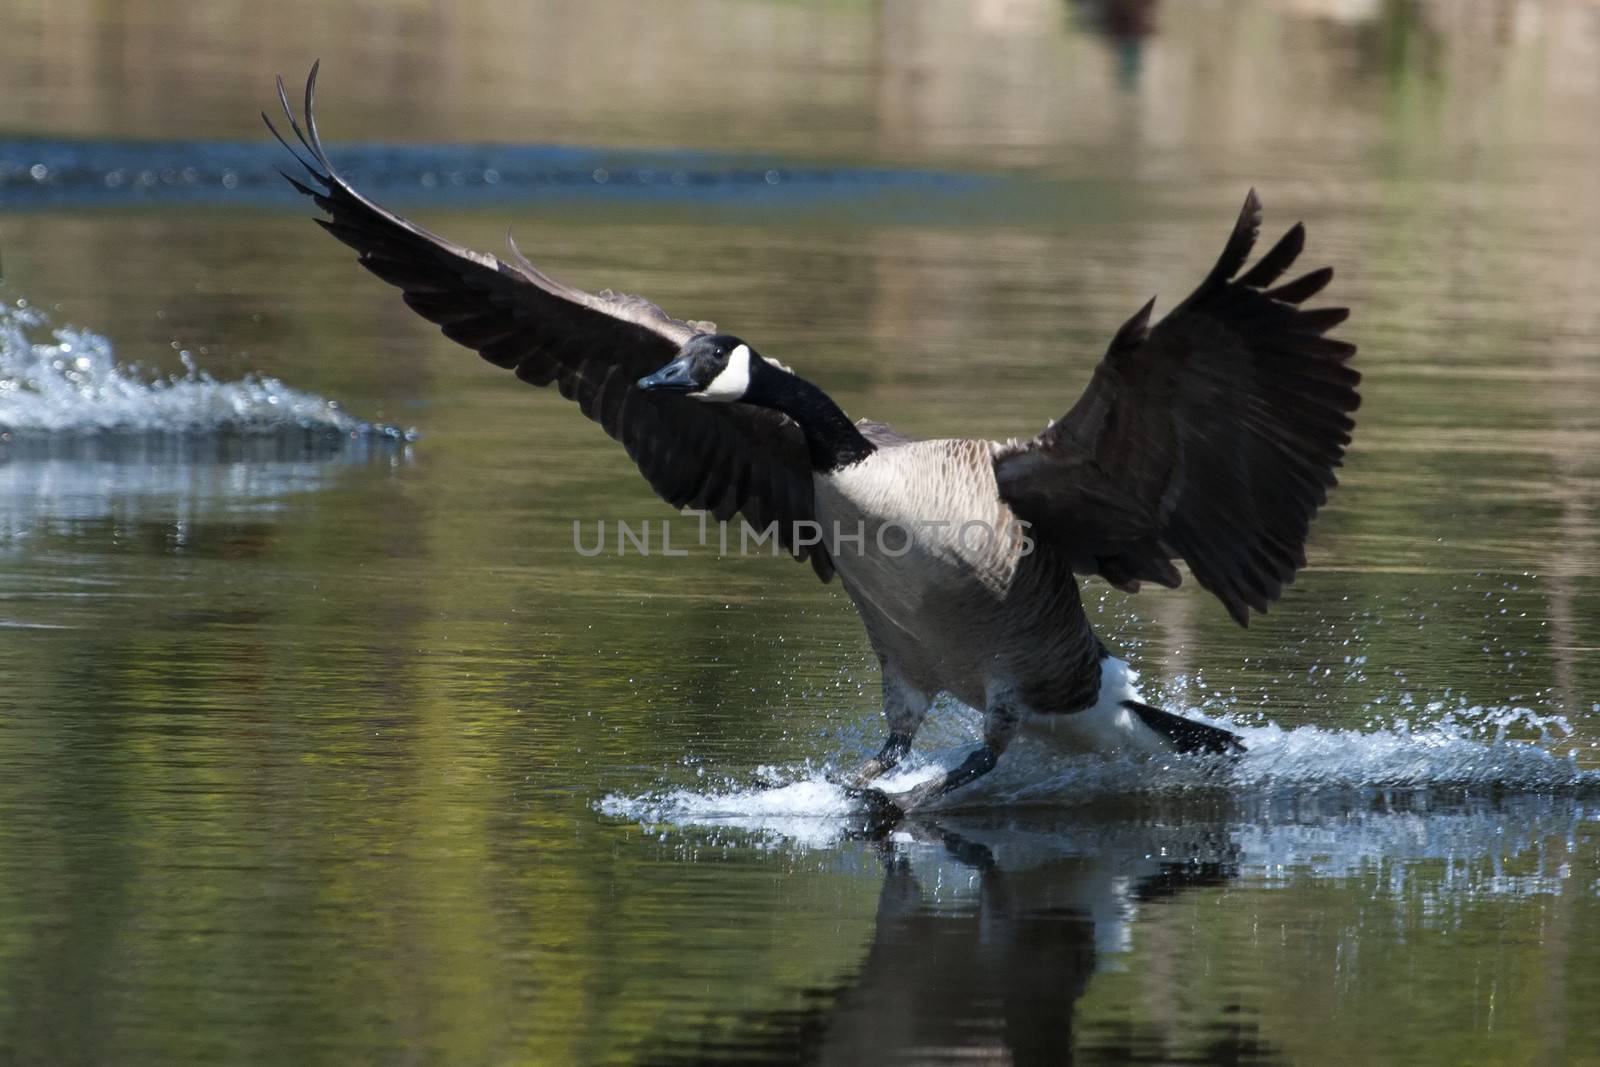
(1212, 436)
(728, 459)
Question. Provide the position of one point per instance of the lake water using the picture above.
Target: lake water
(319, 743)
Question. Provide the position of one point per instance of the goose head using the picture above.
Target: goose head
(713, 367)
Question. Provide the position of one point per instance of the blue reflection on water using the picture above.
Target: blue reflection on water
(43, 173)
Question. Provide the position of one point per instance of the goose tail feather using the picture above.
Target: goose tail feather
(1187, 735)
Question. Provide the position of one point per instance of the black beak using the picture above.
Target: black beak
(673, 378)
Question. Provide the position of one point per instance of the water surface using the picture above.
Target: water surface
(319, 743)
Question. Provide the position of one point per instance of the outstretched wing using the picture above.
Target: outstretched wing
(728, 459)
(1212, 436)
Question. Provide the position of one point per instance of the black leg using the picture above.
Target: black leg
(975, 766)
(905, 708)
(999, 725)
(893, 751)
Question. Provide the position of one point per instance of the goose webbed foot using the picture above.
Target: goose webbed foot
(879, 808)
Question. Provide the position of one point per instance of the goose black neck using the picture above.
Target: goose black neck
(831, 438)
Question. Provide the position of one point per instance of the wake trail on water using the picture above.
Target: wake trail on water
(59, 382)
(85, 438)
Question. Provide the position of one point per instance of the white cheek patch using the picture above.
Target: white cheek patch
(732, 381)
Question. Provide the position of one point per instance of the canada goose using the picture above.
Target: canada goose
(1210, 436)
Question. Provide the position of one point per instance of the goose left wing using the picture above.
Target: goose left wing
(1212, 436)
(728, 459)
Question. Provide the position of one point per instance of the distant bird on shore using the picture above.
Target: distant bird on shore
(1210, 436)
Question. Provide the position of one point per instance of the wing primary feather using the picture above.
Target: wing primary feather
(1321, 320)
(1303, 288)
(294, 123)
(299, 186)
(311, 117)
(1133, 332)
(1212, 435)
(1282, 256)
(592, 348)
(1240, 242)
(297, 157)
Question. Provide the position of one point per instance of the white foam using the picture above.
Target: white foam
(800, 806)
(1466, 750)
(64, 380)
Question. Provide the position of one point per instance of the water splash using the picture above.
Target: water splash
(1476, 751)
(67, 381)
(84, 438)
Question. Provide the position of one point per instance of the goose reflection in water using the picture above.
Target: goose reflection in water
(991, 928)
(987, 935)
